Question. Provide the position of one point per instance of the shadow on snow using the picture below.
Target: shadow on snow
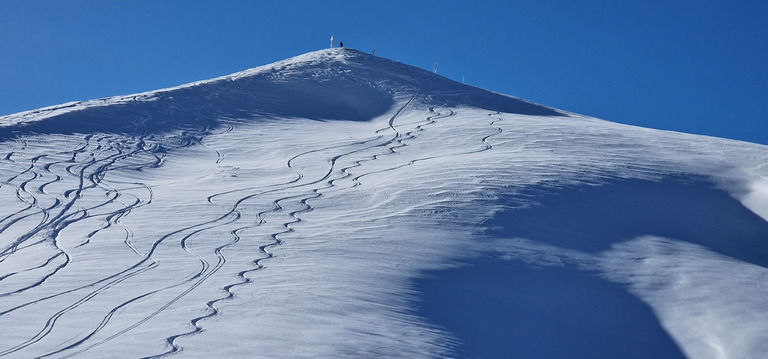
(515, 310)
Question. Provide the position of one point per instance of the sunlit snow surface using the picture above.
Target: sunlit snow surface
(314, 207)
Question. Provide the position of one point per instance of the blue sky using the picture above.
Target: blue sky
(691, 66)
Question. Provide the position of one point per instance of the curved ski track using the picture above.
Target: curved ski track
(287, 227)
(65, 211)
(81, 173)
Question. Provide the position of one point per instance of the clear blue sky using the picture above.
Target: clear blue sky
(692, 66)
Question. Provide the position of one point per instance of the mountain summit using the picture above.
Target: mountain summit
(331, 84)
(342, 205)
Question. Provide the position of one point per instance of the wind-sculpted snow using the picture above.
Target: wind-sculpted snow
(342, 205)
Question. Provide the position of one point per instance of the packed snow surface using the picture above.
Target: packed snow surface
(338, 204)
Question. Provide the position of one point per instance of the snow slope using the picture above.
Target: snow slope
(338, 204)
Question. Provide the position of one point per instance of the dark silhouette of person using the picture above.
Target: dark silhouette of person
(341, 44)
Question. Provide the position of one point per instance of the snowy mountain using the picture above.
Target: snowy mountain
(338, 204)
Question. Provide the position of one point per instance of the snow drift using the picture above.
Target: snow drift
(338, 204)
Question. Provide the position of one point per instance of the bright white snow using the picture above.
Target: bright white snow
(295, 209)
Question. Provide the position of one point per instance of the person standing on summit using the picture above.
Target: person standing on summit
(341, 44)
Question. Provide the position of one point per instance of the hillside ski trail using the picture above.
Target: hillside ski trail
(302, 202)
(411, 135)
(65, 211)
(308, 190)
(58, 190)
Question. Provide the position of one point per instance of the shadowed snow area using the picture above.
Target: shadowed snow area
(506, 309)
(516, 304)
(592, 218)
(342, 205)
